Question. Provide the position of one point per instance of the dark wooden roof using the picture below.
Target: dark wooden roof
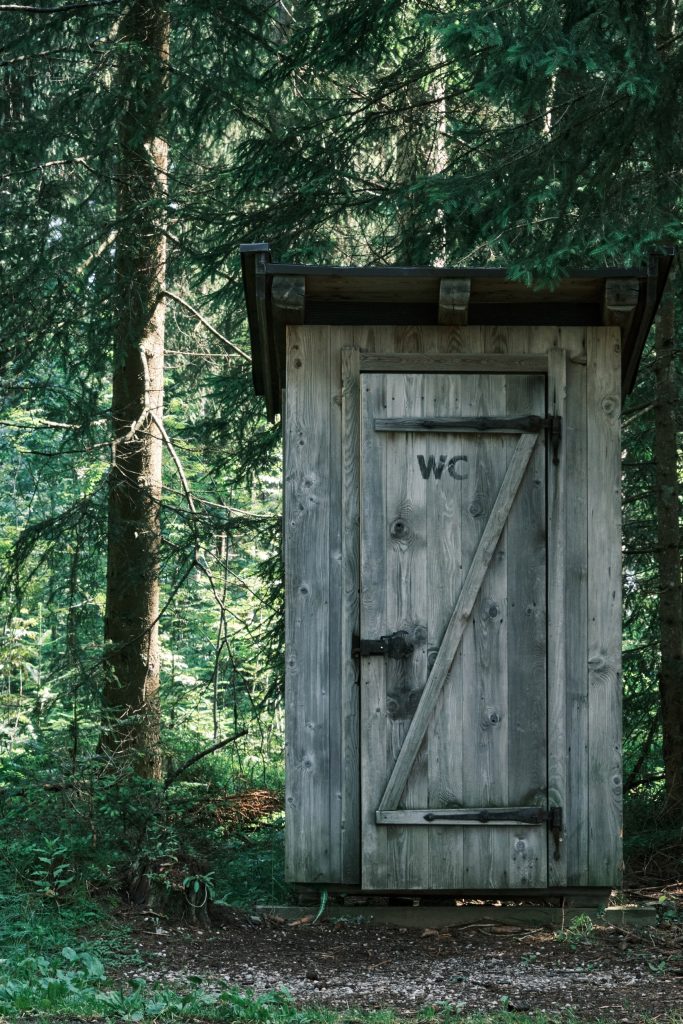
(410, 295)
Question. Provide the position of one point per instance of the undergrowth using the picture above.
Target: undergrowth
(653, 840)
(69, 852)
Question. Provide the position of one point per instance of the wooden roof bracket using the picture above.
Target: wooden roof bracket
(619, 302)
(289, 298)
(454, 300)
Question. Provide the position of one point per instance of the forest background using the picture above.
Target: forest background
(140, 499)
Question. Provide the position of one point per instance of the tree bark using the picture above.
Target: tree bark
(669, 552)
(131, 709)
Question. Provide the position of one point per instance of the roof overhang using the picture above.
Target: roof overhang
(278, 294)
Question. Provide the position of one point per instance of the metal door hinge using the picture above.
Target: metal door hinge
(492, 815)
(552, 817)
(553, 425)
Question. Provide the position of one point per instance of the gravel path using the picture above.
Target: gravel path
(612, 974)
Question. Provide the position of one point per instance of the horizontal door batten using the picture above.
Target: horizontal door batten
(463, 424)
(464, 816)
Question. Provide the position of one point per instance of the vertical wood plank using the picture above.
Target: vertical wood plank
(444, 560)
(576, 617)
(406, 582)
(557, 536)
(446, 573)
(372, 687)
(350, 618)
(307, 491)
(338, 336)
(604, 605)
(483, 654)
(373, 616)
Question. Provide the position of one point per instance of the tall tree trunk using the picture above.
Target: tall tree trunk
(669, 552)
(131, 719)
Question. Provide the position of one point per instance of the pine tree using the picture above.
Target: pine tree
(131, 690)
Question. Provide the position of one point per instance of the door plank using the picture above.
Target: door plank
(464, 424)
(338, 337)
(459, 619)
(575, 453)
(406, 602)
(444, 559)
(483, 645)
(526, 640)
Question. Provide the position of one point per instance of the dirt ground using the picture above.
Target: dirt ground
(609, 973)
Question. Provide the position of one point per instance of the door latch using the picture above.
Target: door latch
(395, 645)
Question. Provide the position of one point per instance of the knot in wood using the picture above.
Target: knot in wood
(399, 528)
(610, 405)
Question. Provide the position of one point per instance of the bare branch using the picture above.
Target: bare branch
(176, 461)
(205, 322)
(641, 410)
(231, 509)
(170, 779)
(109, 240)
(42, 424)
(63, 9)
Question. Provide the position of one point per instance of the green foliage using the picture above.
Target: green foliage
(75, 982)
(578, 932)
(653, 839)
(252, 870)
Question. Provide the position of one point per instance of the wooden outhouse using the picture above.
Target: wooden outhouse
(453, 569)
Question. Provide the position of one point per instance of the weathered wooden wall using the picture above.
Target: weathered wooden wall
(323, 831)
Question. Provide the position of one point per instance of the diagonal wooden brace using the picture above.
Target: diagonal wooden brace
(458, 621)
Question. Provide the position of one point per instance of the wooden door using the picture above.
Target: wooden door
(453, 577)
